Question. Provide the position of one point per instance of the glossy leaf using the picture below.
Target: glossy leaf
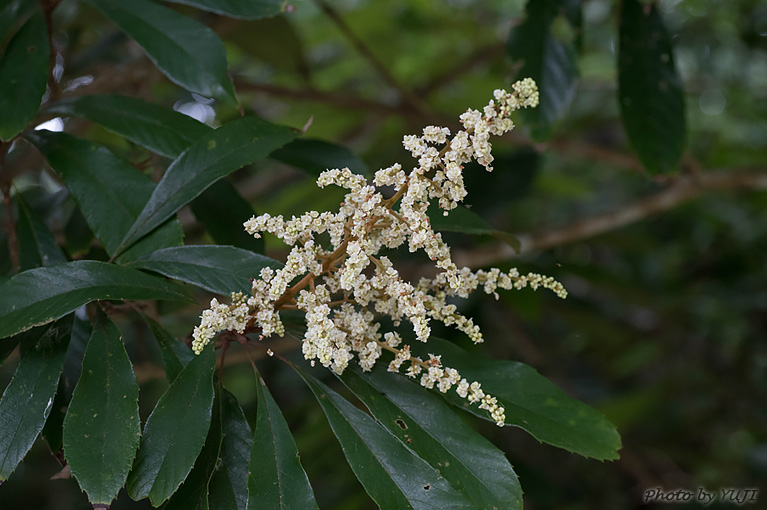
(23, 76)
(219, 269)
(174, 433)
(193, 493)
(102, 426)
(545, 44)
(649, 89)
(532, 402)
(186, 51)
(465, 221)
(316, 156)
(161, 130)
(216, 208)
(45, 294)
(276, 479)
(109, 191)
(252, 9)
(432, 430)
(37, 247)
(392, 474)
(210, 158)
(28, 398)
(171, 362)
(229, 485)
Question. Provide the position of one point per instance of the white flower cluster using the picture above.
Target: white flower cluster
(343, 288)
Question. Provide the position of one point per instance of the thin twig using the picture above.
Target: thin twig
(53, 88)
(477, 57)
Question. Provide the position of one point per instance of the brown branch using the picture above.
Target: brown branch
(682, 189)
(408, 97)
(53, 88)
(477, 57)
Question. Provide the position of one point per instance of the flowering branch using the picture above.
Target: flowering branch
(341, 288)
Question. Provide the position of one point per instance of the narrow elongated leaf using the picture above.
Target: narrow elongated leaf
(220, 269)
(252, 9)
(102, 426)
(465, 221)
(210, 158)
(11, 13)
(316, 156)
(649, 88)
(23, 75)
(216, 209)
(532, 402)
(161, 130)
(109, 191)
(28, 399)
(193, 493)
(174, 433)
(229, 485)
(431, 429)
(392, 474)
(170, 359)
(186, 51)
(37, 247)
(44, 294)
(545, 43)
(276, 479)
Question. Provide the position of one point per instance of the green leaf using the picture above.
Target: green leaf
(102, 426)
(316, 156)
(186, 51)
(649, 89)
(108, 190)
(545, 43)
(252, 9)
(392, 474)
(229, 485)
(276, 479)
(532, 402)
(423, 421)
(37, 247)
(465, 221)
(222, 210)
(193, 493)
(158, 129)
(171, 362)
(45, 294)
(219, 269)
(212, 157)
(78, 235)
(175, 432)
(28, 399)
(23, 76)
(11, 13)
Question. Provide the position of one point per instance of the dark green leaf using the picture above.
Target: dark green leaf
(54, 424)
(220, 269)
(171, 362)
(110, 192)
(229, 485)
(649, 88)
(186, 51)
(11, 13)
(44, 294)
(222, 211)
(175, 432)
(28, 399)
(316, 156)
(423, 421)
(23, 76)
(252, 9)
(37, 247)
(102, 427)
(465, 221)
(276, 479)
(161, 130)
(78, 235)
(8, 345)
(210, 158)
(391, 473)
(544, 42)
(532, 402)
(193, 493)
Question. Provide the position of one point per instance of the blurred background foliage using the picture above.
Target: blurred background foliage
(665, 327)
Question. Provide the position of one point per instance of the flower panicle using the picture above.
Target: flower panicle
(342, 289)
